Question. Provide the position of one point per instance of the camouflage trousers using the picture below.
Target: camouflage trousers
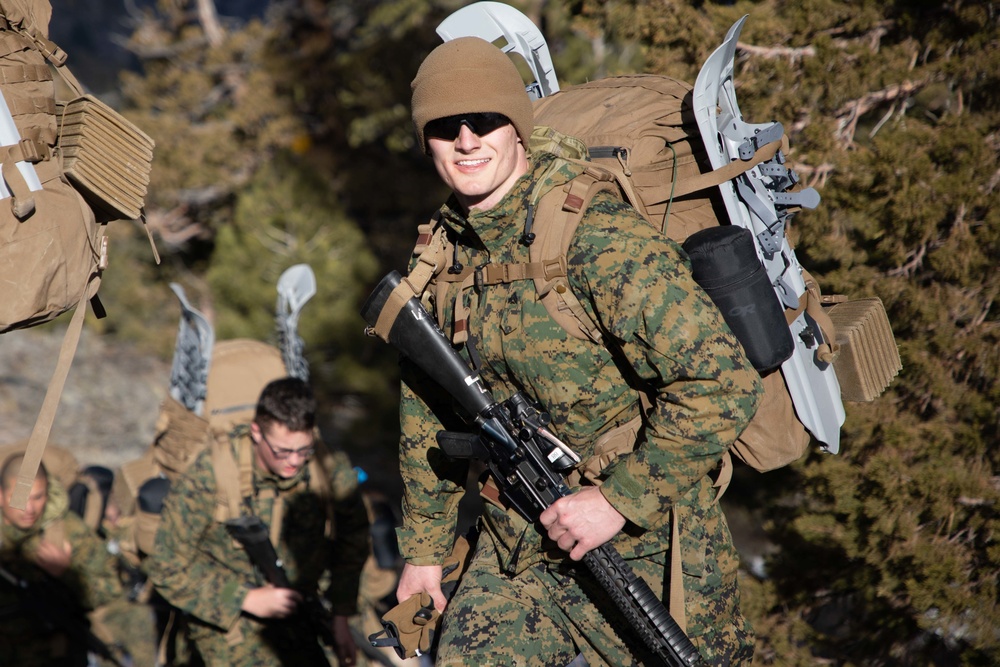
(551, 612)
(260, 644)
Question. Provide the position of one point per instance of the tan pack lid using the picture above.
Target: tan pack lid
(869, 358)
(240, 370)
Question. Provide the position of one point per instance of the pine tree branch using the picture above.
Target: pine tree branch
(908, 269)
(160, 51)
(209, 20)
(793, 54)
(849, 114)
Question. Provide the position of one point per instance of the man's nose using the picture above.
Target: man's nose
(466, 139)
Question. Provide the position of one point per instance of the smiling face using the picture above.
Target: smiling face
(480, 170)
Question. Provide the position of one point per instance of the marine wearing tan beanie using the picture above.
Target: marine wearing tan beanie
(470, 75)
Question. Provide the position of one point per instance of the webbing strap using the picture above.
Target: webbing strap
(725, 173)
(494, 274)
(553, 243)
(430, 262)
(22, 73)
(811, 302)
(277, 518)
(163, 647)
(394, 303)
(227, 479)
(22, 106)
(22, 202)
(43, 425)
(11, 42)
(245, 452)
(677, 609)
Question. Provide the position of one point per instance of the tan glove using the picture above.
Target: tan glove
(409, 627)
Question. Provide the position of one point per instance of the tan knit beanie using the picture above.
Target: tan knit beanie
(470, 75)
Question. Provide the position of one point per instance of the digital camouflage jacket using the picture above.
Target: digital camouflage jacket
(91, 580)
(198, 568)
(667, 339)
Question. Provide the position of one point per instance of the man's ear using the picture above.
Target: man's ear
(255, 430)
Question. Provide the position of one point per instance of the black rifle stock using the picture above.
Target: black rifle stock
(254, 537)
(526, 462)
(49, 603)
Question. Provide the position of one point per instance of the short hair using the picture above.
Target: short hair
(8, 473)
(287, 401)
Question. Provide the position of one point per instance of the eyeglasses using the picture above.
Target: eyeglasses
(481, 124)
(282, 454)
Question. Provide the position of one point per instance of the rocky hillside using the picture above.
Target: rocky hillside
(110, 404)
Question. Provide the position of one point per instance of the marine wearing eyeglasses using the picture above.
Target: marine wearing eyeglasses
(524, 599)
(235, 618)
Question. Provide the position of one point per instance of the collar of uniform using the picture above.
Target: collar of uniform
(502, 225)
(265, 479)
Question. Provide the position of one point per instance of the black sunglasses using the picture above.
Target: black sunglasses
(481, 124)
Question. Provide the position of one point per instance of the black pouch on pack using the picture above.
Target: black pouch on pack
(724, 262)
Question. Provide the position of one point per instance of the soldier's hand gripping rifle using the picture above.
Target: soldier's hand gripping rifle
(252, 534)
(525, 459)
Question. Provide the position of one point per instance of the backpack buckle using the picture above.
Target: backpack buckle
(554, 268)
(29, 151)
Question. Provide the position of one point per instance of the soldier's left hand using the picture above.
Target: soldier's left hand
(581, 521)
(52, 558)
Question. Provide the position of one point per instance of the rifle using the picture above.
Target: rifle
(50, 604)
(252, 534)
(526, 460)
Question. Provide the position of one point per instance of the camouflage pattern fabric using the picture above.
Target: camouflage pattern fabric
(198, 568)
(560, 605)
(667, 339)
(90, 581)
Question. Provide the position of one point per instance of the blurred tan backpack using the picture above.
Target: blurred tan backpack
(214, 387)
(70, 165)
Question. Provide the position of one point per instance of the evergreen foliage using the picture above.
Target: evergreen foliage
(289, 138)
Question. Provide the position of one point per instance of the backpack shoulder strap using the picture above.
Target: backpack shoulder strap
(432, 251)
(320, 483)
(558, 215)
(233, 480)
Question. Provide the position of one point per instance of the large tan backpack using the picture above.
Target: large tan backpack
(70, 165)
(239, 370)
(649, 153)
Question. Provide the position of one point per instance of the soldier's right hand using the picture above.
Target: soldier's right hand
(271, 602)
